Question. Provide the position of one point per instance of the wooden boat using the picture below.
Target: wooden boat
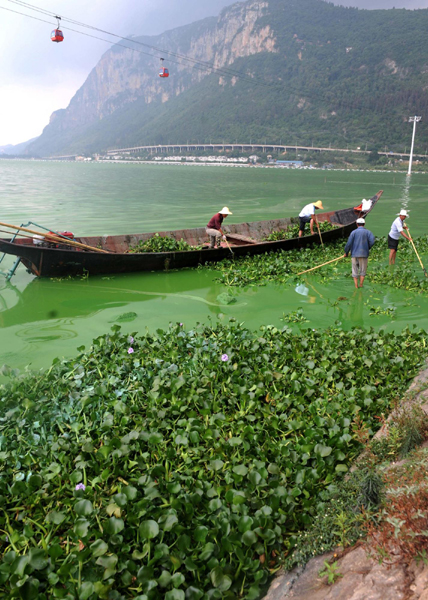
(244, 239)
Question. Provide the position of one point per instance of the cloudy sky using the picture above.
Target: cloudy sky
(38, 76)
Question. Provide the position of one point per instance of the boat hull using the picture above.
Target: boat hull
(62, 262)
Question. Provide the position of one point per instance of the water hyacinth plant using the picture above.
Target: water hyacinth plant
(159, 243)
(174, 474)
(283, 266)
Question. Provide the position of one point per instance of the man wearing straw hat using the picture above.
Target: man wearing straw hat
(397, 229)
(359, 243)
(214, 229)
(307, 215)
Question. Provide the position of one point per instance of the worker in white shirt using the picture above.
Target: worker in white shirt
(397, 229)
(307, 215)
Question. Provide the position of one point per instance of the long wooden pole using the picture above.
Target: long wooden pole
(416, 252)
(323, 265)
(231, 251)
(319, 233)
(56, 238)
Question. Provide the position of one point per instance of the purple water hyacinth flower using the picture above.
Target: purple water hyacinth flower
(130, 350)
(80, 486)
(131, 339)
(181, 324)
(224, 357)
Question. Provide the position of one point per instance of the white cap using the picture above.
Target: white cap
(361, 221)
(403, 213)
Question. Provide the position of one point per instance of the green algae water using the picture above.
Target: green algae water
(42, 319)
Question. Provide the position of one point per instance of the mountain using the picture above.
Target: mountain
(296, 71)
(17, 149)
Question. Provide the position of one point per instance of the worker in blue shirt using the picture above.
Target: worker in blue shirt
(359, 243)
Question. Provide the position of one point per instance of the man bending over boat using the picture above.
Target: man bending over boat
(214, 229)
(307, 215)
(359, 243)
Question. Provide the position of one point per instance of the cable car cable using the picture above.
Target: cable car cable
(328, 97)
(210, 66)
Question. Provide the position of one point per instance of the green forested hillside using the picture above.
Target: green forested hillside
(336, 75)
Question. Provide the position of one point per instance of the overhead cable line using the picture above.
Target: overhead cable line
(205, 65)
(218, 70)
(197, 64)
(251, 80)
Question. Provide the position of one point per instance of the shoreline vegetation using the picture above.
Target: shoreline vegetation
(193, 464)
(188, 462)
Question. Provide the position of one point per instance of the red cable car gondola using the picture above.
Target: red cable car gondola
(57, 35)
(163, 72)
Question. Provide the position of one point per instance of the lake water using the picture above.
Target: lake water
(42, 319)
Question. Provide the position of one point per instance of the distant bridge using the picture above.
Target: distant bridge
(278, 148)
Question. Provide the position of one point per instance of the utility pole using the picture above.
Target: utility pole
(413, 120)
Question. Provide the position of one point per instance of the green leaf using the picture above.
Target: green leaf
(341, 468)
(240, 470)
(255, 478)
(120, 499)
(182, 440)
(30, 589)
(76, 477)
(234, 441)
(214, 504)
(245, 523)
(149, 530)
(114, 525)
(56, 517)
(99, 547)
(35, 481)
(190, 564)
(200, 533)
(19, 564)
(249, 538)
(220, 580)
(322, 450)
(216, 465)
(155, 438)
(37, 559)
(107, 561)
(170, 522)
(239, 498)
(207, 551)
(81, 527)
(55, 551)
(165, 579)
(130, 492)
(86, 590)
(177, 579)
(193, 593)
(83, 508)
(175, 595)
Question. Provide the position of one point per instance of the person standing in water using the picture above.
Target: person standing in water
(397, 229)
(359, 244)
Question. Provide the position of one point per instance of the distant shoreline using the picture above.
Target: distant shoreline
(214, 164)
